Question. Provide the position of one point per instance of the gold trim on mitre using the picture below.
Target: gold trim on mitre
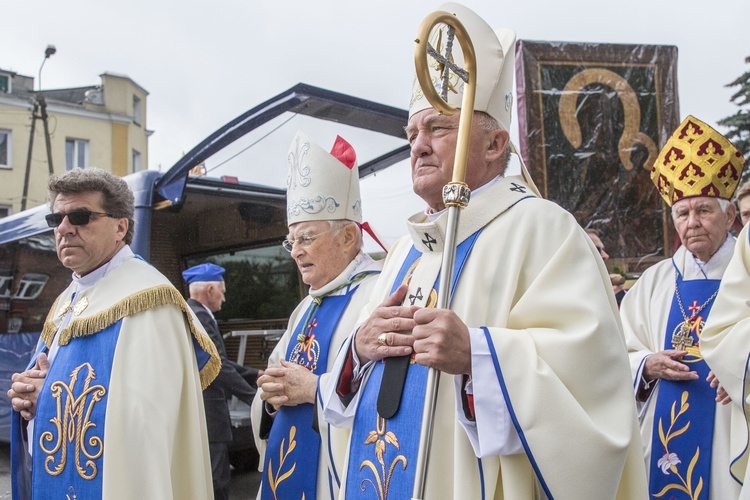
(159, 295)
(697, 161)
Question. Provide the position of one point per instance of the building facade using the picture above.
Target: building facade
(100, 125)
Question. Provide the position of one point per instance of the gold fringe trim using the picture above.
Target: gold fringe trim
(142, 301)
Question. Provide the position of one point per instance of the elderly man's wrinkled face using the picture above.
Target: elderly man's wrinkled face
(215, 295)
(745, 210)
(433, 139)
(321, 254)
(85, 248)
(702, 225)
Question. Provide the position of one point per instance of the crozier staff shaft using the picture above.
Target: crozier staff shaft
(456, 194)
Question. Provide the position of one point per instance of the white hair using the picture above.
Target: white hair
(339, 224)
(723, 204)
(198, 287)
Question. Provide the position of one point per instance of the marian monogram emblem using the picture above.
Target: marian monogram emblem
(73, 432)
(682, 336)
(682, 339)
(307, 350)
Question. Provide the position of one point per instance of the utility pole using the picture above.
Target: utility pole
(38, 111)
(28, 157)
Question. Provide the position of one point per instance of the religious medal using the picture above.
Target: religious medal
(681, 337)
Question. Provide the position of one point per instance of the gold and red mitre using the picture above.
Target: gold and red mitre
(697, 161)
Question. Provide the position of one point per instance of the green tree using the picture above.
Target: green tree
(739, 123)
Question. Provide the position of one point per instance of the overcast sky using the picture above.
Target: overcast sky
(203, 63)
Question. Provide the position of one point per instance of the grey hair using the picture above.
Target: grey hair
(117, 198)
(339, 224)
(489, 124)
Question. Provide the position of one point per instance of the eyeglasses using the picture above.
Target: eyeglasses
(304, 241)
(76, 218)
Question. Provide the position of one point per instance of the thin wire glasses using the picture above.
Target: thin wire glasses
(304, 240)
(76, 217)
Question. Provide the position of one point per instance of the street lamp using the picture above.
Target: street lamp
(50, 50)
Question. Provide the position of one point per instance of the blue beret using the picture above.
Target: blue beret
(204, 272)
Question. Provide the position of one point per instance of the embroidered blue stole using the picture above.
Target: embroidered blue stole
(682, 437)
(383, 453)
(68, 440)
(293, 449)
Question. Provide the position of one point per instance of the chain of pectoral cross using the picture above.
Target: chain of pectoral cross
(693, 309)
(682, 340)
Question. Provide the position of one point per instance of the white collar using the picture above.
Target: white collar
(431, 216)
(693, 268)
(83, 282)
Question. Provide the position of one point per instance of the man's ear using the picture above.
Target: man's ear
(122, 228)
(731, 215)
(497, 142)
(350, 236)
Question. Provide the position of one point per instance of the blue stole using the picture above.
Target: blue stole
(68, 438)
(682, 438)
(383, 453)
(292, 440)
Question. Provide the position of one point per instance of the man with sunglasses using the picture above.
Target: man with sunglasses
(324, 213)
(118, 411)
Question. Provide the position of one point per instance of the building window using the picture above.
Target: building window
(31, 286)
(136, 161)
(6, 280)
(5, 149)
(136, 110)
(76, 154)
(5, 210)
(5, 84)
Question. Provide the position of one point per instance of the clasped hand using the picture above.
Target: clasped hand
(287, 384)
(437, 337)
(25, 387)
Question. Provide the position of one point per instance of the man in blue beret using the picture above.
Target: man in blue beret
(207, 288)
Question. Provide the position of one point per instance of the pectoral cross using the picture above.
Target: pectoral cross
(682, 339)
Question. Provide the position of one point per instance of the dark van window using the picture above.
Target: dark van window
(262, 283)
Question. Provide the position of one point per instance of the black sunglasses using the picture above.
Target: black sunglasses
(76, 218)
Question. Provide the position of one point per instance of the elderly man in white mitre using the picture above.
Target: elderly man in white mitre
(685, 423)
(300, 453)
(535, 397)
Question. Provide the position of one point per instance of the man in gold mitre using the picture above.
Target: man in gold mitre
(685, 420)
(534, 399)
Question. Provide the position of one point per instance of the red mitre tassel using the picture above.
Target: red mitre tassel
(344, 152)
